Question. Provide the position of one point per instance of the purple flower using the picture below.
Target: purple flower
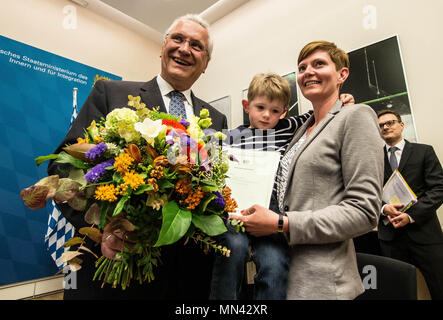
(206, 166)
(96, 152)
(219, 201)
(96, 172)
(184, 122)
(187, 141)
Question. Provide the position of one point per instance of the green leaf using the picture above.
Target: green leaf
(116, 177)
(143, 189)
(164, 184)
(209, 188)
(176, 222)
(104, 207)
(211, 225)
(205, 203)
(63, 157)
(77, 175)
(40, 160)
(120, 205)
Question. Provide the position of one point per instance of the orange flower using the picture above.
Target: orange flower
(231, 204)
(193, 199)
(183, 187)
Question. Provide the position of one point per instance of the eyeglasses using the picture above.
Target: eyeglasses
(387, 123)
(179, 39)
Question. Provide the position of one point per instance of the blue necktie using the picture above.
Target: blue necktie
(393, 158)
(177, 106)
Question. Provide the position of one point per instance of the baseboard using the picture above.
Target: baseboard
(32, 289)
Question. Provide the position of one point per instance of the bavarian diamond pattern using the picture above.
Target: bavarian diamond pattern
(59, 231)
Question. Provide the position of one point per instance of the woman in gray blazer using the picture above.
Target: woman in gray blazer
(329, 183)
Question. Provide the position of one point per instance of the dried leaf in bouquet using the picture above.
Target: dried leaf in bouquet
(78, 150)
(35, 197)
(92, 233)
(66, 190)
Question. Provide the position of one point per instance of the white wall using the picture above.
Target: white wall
(267, 35)
(97, 41)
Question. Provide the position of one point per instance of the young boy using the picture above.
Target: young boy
(268, 99)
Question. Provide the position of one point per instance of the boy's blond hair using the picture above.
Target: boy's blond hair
(270, 85)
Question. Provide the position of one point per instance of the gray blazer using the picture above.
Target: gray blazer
(333, 194)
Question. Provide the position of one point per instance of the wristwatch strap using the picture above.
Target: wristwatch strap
(280, 223)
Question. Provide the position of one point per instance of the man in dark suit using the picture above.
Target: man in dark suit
(414, 236)
(186, 271)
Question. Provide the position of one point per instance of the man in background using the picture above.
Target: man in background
(414, 236)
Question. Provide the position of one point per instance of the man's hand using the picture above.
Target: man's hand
(392, 210)
(259, 221)
(397, 218)
(399, 221)
(347, 99)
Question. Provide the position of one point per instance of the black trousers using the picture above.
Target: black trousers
(426, 257)
(184, 275)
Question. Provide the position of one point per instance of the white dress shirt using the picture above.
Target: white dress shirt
(400, 146)
(166, 88)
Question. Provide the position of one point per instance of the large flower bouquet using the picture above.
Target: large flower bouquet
(147, 177)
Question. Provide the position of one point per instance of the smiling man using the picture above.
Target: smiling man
(185, 53)
(414, 236)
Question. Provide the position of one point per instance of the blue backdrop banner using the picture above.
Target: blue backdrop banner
(36, 101)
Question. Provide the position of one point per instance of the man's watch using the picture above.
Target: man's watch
(280, 223)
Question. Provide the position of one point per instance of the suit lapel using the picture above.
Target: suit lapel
(407, 151)
(151, 95)
(197, 104)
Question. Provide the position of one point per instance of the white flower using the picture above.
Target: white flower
(149, 129)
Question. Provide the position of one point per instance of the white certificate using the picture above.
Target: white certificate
(251, 176)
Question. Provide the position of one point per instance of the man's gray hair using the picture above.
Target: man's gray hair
(196, 18)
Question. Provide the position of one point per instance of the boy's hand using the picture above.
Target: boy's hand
(347, 99)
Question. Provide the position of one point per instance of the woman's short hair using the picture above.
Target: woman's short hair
(271, 86)
(196, 18)
(338, 56)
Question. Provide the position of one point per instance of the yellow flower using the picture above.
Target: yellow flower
(81, 140)
(106, 193)
(134, 180)
(123, 162)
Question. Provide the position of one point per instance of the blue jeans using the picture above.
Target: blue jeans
(271, 256)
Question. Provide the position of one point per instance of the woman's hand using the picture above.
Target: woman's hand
(259, 221)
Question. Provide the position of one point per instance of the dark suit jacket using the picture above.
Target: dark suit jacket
(186, 271)
(422, 170)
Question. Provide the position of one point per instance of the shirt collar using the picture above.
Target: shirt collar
(399, 145)
(165, 88)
